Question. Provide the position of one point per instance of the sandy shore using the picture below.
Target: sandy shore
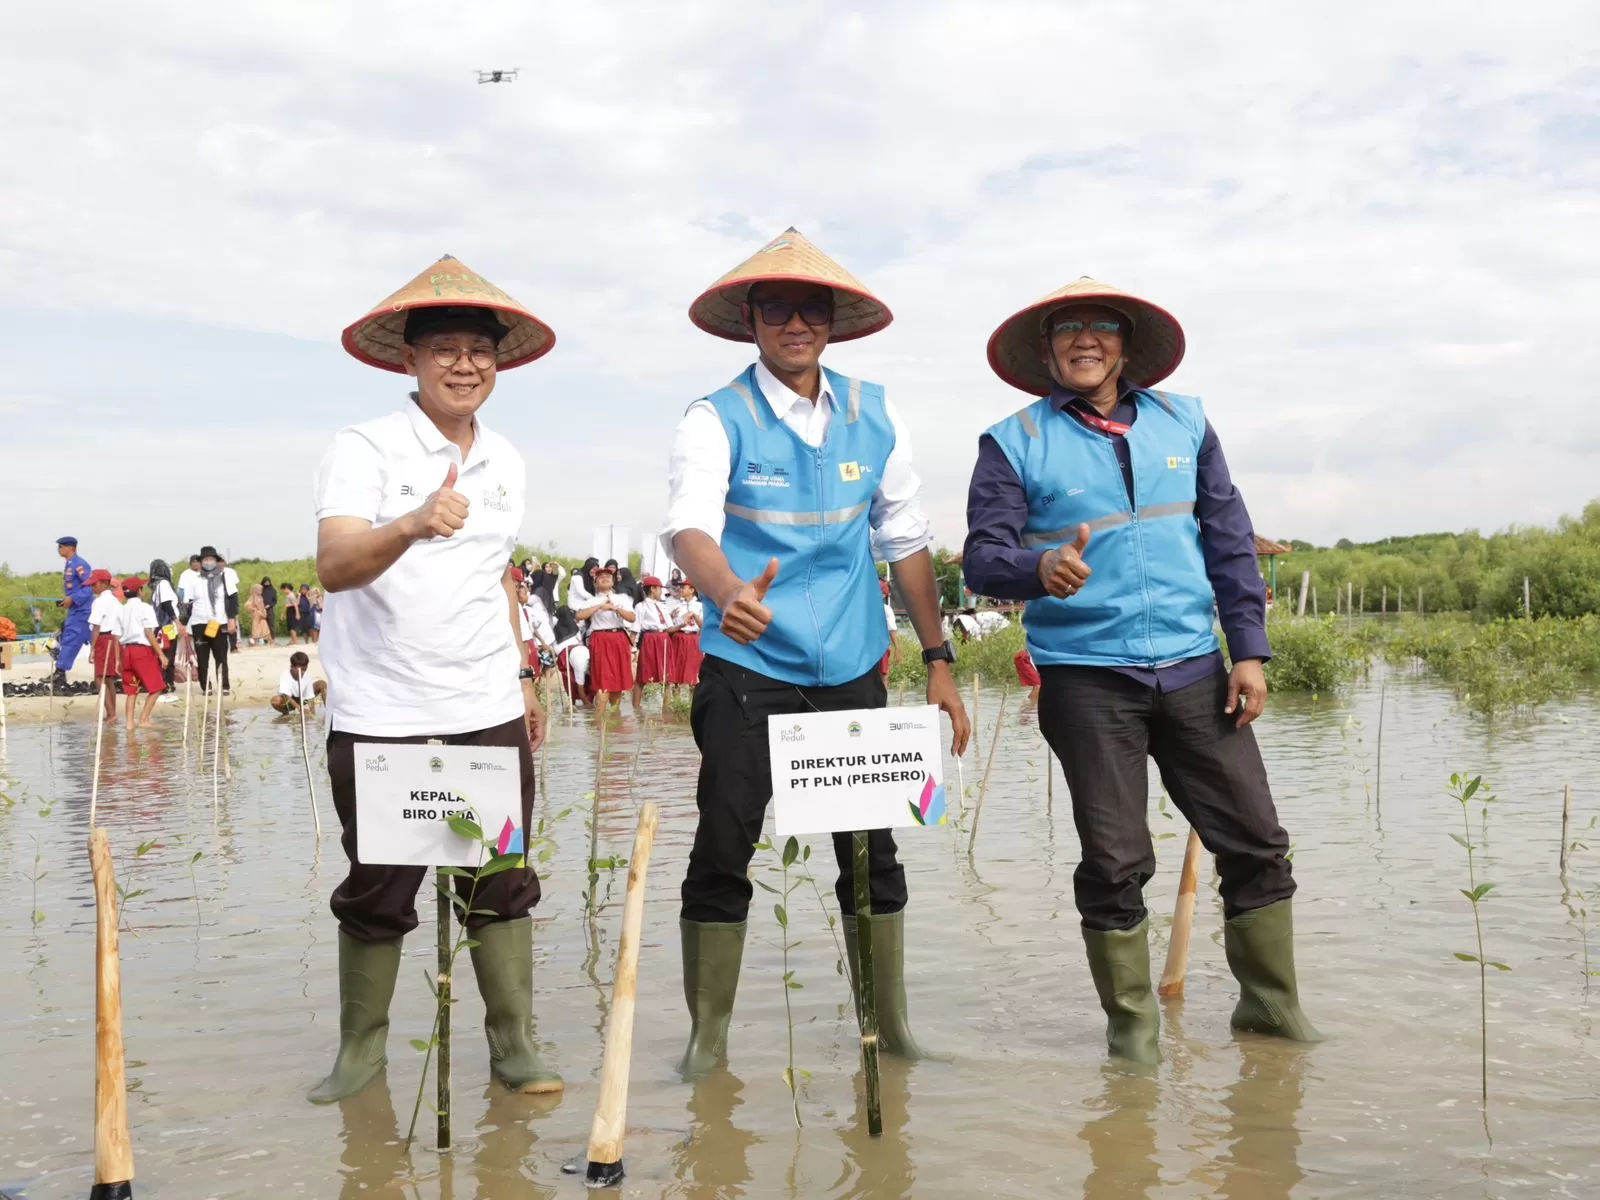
(254, 673)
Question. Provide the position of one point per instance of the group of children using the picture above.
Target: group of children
(127, 644)
(604, 642)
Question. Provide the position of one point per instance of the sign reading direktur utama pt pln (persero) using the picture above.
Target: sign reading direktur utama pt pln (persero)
(860, 768)
(406, 795)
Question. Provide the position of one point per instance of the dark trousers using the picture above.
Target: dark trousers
(205, 648)
(379, 903)
(1104, 727)
(729, 718)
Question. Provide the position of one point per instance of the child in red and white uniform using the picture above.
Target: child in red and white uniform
(1027, 675)
(105, 623)
(610, 615)
(886, 663)
(143, 660)
(683, 664)
(655, 643)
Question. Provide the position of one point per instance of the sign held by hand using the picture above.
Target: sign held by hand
(863, 768)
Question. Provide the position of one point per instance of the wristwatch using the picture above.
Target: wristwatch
(945, 653)
(526, 673)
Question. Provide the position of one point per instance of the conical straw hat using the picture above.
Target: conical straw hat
(376, 338)
(1153, 351)
(789, 258)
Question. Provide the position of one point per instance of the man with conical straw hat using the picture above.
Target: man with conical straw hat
(1108, 507)
(781, 483)
(417, 516)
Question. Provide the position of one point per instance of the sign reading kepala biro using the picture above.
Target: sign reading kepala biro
(405, 796)
(861, 768)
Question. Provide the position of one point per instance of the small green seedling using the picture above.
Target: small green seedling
(1463, 790)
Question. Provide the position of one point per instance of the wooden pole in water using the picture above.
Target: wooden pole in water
(216, 751)
(983, 788)
(1566, 816)
(113, 1149)
(441, 1070)
(611, 1112)
(1527, 599)
(305, 754)
(1385, 609)
(1305, 591)
(1182, 920)
(866, 984)
(594, 813)
(99, 733)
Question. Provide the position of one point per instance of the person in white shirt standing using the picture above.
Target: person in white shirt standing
(780, 485)
(143, 659)
(684, 666)
(164, 600)
(105, 624)
(610, 615)
(213, 617)
(655, 645)
(418, 514)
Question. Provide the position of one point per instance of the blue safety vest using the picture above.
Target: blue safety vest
(1149, 601)
(809, 508)
(75, 588)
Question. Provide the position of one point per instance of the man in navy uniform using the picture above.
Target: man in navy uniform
(76, 597)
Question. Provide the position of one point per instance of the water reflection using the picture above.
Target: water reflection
(1259, 1154)
(879, 1168)
(374, 1160)
(1122, 1139)
(713, 1162)
(505, 1145)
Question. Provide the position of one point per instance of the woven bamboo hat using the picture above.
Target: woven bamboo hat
(1154, 348)
(376, 338)
(789, 257)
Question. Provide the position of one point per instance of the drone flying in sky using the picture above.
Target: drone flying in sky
(498, 76)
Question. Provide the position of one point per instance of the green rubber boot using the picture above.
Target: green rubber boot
(367, 973)
(1260, 945)
(1119, 961)
(888, 980)
(503, 962)
(712, 954)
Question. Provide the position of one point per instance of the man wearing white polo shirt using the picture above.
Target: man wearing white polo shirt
(418, 514)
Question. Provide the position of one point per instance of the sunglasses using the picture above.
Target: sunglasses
(778, 312)
(1075, 326)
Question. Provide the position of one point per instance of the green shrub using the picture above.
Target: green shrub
(1312, 654)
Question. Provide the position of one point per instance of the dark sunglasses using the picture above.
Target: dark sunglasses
(1075, 326)
(778, 312)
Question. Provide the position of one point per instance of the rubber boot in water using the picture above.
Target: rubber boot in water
(1260, 945)
(503, 961)
(1119, 962)
(888, 979)
(367, 972)
(712, 954)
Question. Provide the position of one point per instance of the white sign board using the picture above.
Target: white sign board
(405, 796)
(862, 768)
(610, 541)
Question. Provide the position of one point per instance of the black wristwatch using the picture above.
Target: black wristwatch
(944, 653)
(526, 673)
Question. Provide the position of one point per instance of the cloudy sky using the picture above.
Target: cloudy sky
(1379, 224)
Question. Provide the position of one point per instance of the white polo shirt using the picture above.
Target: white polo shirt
(653, 615)
(304, 688)
(137, 623)
(105, 614)
(204, 612)
(426, 648)
(602, 621)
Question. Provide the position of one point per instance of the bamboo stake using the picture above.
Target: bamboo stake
(1566, 816)
(594, 813)
(305, 754)
(99, 733)
(1527, 599)
(611, 1112)
(866, 983)
(1182, 920)
(983, 788)
(216, 751)
(1305, 589)
(1377, 772)
(113, 1149)
(441, 1070)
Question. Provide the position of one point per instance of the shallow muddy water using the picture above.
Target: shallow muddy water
(230, 991)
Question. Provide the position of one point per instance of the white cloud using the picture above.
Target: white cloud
(1376, 222)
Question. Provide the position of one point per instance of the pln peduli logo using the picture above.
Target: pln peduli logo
(797, 734)
(377, 764)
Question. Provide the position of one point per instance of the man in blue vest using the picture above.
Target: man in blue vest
(76, 597)
(781, 485)
(1108, 507)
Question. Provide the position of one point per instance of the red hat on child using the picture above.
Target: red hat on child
(99, 575)
(649, 581)
(133, 584)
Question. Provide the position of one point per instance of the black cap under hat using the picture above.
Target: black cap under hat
(455, 317)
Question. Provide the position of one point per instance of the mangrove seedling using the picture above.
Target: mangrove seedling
(1463, 790)
(790, 855)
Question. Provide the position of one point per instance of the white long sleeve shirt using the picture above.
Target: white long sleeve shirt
(602, 621)
(653, 615)
(697, 470)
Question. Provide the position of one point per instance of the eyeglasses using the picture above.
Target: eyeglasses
(449, 356)
(1075, 326)
(778, 312)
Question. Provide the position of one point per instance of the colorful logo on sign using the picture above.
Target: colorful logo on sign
(931, 809)
(510, 840)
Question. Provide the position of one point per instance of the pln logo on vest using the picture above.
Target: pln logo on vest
(1176, 461)
(850, 472)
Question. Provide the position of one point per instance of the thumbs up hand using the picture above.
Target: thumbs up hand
(744, 617)
(441, 514)
(1063, 571)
